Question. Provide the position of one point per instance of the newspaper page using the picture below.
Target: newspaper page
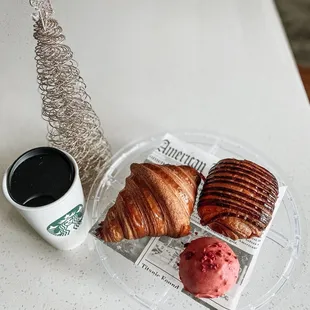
(160, 256)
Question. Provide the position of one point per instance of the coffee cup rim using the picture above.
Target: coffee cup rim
(47, 206)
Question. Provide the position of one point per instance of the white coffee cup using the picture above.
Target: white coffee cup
(63, 223)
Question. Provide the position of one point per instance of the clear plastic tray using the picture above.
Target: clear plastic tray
(278, 262)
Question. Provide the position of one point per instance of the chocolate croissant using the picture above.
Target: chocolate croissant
(238, 199)
(157, 200)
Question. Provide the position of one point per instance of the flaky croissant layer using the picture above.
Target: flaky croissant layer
(238, 198)
(157, 200)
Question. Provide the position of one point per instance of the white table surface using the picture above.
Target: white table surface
(150, 66)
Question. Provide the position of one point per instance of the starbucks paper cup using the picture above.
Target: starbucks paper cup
(44, 185)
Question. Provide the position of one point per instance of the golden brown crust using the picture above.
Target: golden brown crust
(157, 200)
(238, 198)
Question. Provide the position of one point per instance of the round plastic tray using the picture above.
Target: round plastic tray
(278, 260)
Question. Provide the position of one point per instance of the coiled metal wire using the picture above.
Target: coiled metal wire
(72, 123)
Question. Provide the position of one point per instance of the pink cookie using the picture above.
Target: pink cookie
(208, 267)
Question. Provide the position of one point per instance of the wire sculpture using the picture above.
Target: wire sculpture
(72, 123)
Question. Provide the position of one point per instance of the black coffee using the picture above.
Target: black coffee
(40, 177)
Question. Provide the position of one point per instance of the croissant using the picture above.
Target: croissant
(238, 199)
(157, 200)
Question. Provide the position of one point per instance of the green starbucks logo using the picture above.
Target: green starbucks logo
(64, 225)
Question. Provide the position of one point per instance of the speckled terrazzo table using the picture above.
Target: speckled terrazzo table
(150, 66)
